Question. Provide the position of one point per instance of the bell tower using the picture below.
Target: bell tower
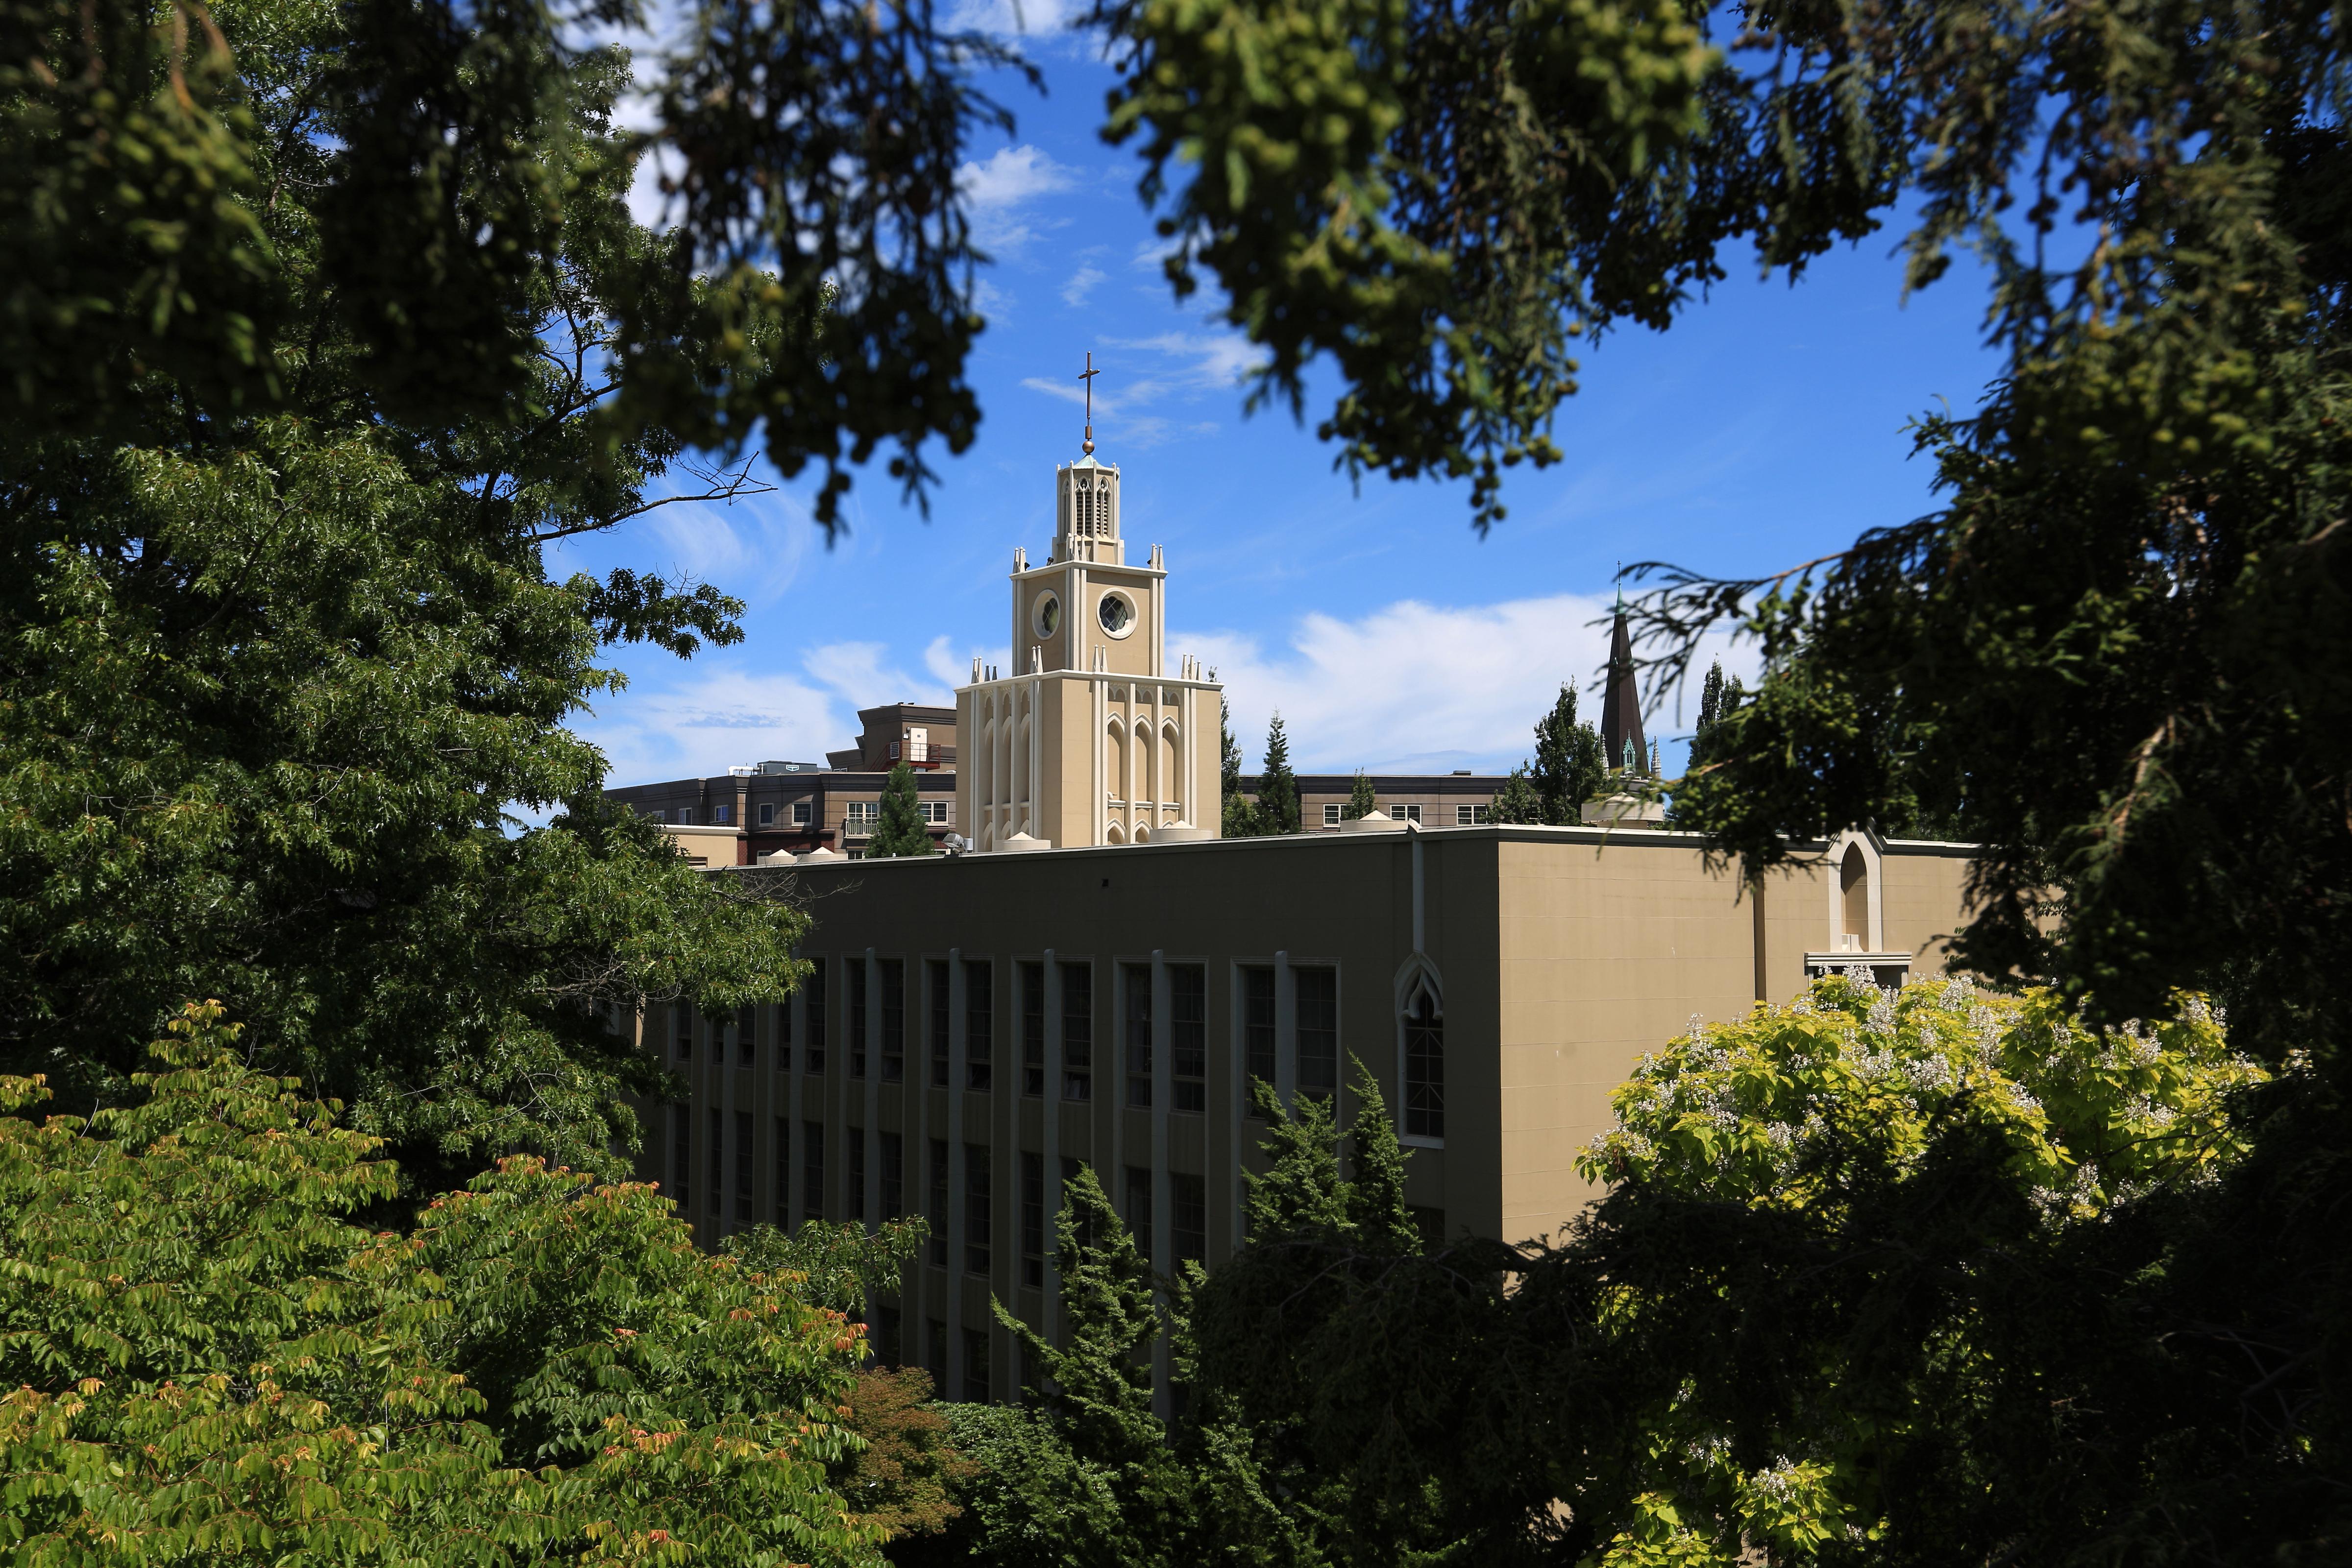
(1088, 739)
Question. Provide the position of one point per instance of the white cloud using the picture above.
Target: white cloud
(1001, 189)
(1081, 284)
(862, 675)
(946, 665)
(716, 712)
(1200, 361)
(1415, 687)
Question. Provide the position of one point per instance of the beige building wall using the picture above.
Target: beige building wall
(1560, 954)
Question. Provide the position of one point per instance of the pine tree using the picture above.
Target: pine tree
(1235, 817)
(1710, 698)
(901, 831)
(1278, 787)
(1360, 800)
(1569, 766)
(1517, 801)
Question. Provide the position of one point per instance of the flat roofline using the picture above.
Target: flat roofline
(853, 777)
(1518, 832)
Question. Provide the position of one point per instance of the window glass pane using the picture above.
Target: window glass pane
(975, 1210)
(1077, 1030)
(718, 1160)
(854, 1203)
(935, 977)
(1317, 999)
(976, 1385)
(784, 1174)
(1138, 1209)
(1424, 1068)
(936, 1210)
(979, 1023)
(1033, 1219)
(893, 1154)
(742, 1168)
(894, 1021)
(1257, 1025)
(813, 1009)
(1033, 1028)
(681, 1139)
(853, 975)
(1135, 980)
(1188, 1218)
(811, 1170)
(1188, 1035)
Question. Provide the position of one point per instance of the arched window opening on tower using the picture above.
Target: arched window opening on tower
(1425, 1064)
(1853, 900)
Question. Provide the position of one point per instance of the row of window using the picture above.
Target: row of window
(863, 814)
(1315, 1026)
(1188, 1204)
(1401, 812)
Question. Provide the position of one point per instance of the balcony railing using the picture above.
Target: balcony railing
(922, 753)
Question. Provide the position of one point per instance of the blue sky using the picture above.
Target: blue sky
(1765, 428)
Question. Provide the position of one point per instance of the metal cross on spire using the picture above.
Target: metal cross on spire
(1087, 379)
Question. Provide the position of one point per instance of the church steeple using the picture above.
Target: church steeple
(1621, 702)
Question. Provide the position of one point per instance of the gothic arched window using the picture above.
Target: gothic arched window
(1424, 1065)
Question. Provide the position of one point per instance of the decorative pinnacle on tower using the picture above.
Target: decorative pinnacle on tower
(1087, 381)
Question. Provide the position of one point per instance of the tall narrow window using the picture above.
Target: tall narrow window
(784, 1035)
(853, 975)
(811, 1170)
(976, 1390)
(744, 1036)
(813, 1005)
(1138, 1209)
(1136, 1021)
(784, 1174)
(1033, 1028)
(684, 1018)
(1188, 1218)
(1077, 1030)
(894, 1176)
(742, 1168)
(894, 1021)
(1257, 1025)
(681, 1138)
(1033, 1217)
(935, 977)
(718, 1159)
(979, 1023)
(935, 1355)
(975, 1208)
(935, 1209)
(1425, 1066)
(887, 1335)
(1188, 1037)
(854, 1204)
(1318, 993)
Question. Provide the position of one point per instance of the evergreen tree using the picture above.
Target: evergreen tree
(1238, 820)
(1516, 800)
(1360, 801)
(1569, 766)
(1710, 699)
(901, 831)
(1277, 788)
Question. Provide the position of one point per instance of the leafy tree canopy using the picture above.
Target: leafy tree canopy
(1362, 802)
(208, 1358)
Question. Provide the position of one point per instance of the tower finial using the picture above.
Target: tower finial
(1088, 380)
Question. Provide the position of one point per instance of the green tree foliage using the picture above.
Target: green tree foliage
(901, 831)
(1277, 787)
(841, 1267)
(1570, 768)
(1238, 818)
(209, 1359)
(1516, 800)
(1360, 801)
(322, 324)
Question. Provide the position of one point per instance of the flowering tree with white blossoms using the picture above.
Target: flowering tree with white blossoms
(1816, 1111)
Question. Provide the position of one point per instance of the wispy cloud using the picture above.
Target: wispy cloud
(1418, 687)
(1081, 284)
(1003, 192)
(863, 674)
